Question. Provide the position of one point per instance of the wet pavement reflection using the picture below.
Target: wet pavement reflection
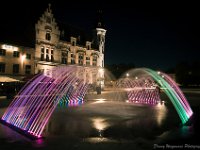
(108, 123)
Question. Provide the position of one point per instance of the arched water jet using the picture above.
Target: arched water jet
(142, 90)
(32, 107)
(169, 87)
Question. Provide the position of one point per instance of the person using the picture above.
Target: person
(98, 89)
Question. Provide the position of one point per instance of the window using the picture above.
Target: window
(15, 54)
(2, 67)
(28, 56)
(63, 54)
(80, 61)
(52, 58)
(87, 63)
(2, 52)
(73, 43)
(42, 57)
(94, 63)
(80, 56)
(47, 57)
(88, 47)
(64, 57)
(48, 36)
(15, 68)
(42, 54)
(72, 58)
(72, 61)
(47, 50)
(64, 61)
(28, 69)
(94, 58)
(42, 49)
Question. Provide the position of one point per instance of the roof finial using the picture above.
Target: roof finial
(49, 9)
(49, 6)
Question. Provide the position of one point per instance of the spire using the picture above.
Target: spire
(49, 8)
(100, 22)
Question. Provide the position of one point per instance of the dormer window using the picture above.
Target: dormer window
(88, 45)
(48, 36)
(73, 41)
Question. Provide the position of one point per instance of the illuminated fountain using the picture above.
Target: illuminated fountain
(34, 104)
(143, 86)
(74, 95)
(142, 90)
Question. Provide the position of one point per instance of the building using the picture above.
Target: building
(54, 46)
(16, 62)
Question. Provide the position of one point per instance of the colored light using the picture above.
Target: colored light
(141, 91)
(32, 107)
(174, 93)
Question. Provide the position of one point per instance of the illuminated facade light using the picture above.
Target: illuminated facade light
(9, 47)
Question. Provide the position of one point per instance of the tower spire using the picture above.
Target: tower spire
(100, 22)
(49, 7)
(100, 37)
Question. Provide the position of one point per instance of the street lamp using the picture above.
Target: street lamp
(127, 75)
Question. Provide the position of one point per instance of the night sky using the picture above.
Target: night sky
(154, 35)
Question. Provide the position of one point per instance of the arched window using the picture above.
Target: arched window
(48, 36)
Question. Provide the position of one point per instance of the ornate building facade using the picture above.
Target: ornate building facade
(55, 47)
(52, 48)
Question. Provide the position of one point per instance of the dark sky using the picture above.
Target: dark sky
(154, 35)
